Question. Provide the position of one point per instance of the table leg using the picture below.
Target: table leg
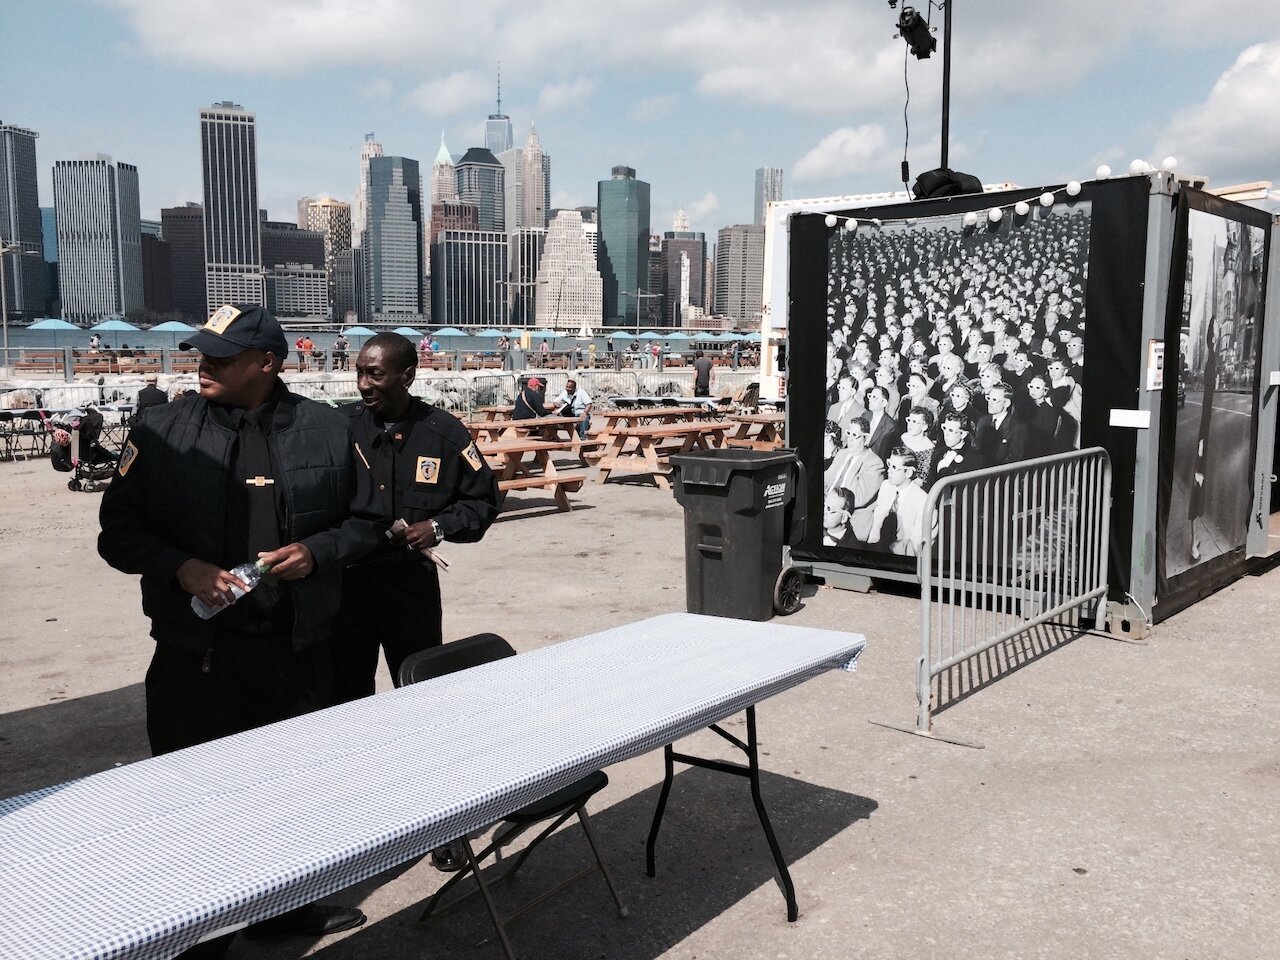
(751, 770)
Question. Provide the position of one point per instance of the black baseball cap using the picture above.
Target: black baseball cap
(236, 328)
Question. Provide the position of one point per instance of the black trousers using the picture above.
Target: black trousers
(248, 680)
(251, 680)
(393, 604)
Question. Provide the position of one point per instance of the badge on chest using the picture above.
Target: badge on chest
(428, 470)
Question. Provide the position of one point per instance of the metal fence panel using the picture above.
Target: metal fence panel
(1008, 549)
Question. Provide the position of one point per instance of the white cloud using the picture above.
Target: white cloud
(845, 152)
(379, 89)
(654, 108)
(451, 94)
(554, 97)
(1231, 135)
(702, 208)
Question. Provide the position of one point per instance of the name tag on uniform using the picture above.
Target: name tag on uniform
(428, 470)
(472, 456)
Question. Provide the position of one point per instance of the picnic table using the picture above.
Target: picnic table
(706, 404)
(499, 412)
(507, 457)
(642, 449)
(756, 431)
(547, 428)
(144, 861)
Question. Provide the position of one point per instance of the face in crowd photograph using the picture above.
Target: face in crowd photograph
(949, 348)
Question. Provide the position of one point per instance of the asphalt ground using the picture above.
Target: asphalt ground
(1124, 803)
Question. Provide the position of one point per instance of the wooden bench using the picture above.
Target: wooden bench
(507, 456)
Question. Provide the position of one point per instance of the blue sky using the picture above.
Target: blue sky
(694, 96)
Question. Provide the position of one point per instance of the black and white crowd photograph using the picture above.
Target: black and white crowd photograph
(951, 346)
(1221, 327)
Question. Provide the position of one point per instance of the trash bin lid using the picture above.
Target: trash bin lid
(717, 467)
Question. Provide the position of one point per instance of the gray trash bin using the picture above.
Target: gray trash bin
(740, 507)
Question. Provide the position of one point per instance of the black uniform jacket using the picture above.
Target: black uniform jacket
(425, 468)
(166, 505)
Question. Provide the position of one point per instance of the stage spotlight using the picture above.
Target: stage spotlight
(913, 29)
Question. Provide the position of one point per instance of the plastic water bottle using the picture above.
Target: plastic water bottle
(250, 574)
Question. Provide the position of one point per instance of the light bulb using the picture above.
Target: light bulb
(1103, 172)
(1169, 164)
(876, 222)
(1046, 199)
(1138, 167)
(1073, 188)
(1021, 208)
(995, 214)
(830, 220)
(851, 224)
(970, 219)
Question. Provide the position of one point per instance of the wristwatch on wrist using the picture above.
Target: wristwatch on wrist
(435, 528)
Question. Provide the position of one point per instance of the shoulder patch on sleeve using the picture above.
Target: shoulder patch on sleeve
(472, 456)
(127, 457)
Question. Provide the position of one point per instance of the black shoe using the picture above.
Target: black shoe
(450, 858)
(313, 920)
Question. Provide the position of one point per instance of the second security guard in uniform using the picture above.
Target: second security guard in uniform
(418, 464)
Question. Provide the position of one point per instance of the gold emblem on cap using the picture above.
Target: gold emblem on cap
(221, 319)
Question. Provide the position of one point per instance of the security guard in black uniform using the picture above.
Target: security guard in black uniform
(243, 471)
(418, 464)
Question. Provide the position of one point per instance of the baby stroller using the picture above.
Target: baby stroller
(80, 453)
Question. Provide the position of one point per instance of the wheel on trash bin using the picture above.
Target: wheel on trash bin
(73, 484)
(787, 591)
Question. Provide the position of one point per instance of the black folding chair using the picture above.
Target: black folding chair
(552, 810)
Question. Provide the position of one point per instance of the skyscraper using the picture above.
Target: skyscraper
(481, 180)
(392, 247)
(24, 275)
(740, 273)
(99, 238)
(183, 229)
(569, 289)
(332, 218)
(512, 188)
(524, 258)
(623, 258)
(232, 241)
(768, 187)
(444, 184)
(369, 149)
(469, 278)
(684, 253)
(536, 182)
(497, 129)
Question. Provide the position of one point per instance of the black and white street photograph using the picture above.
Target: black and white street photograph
(1221, 326)
(951, 346)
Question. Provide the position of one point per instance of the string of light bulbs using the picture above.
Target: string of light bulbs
(1021, 207)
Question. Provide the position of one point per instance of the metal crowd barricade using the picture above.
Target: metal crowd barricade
(1005, 550)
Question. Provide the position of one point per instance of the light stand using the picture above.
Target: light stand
(914, 30)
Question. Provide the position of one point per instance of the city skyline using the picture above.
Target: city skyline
(697, 104)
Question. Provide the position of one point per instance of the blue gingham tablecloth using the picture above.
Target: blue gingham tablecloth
(147, 859)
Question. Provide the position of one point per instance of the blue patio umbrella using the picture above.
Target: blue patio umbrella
(677, 335)
(650, 335)
(492, 334)
(359, 332)
(752, 337)
(409, 332)
(450, 332)
(175, 327)
(54, 325)
(116, 326)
